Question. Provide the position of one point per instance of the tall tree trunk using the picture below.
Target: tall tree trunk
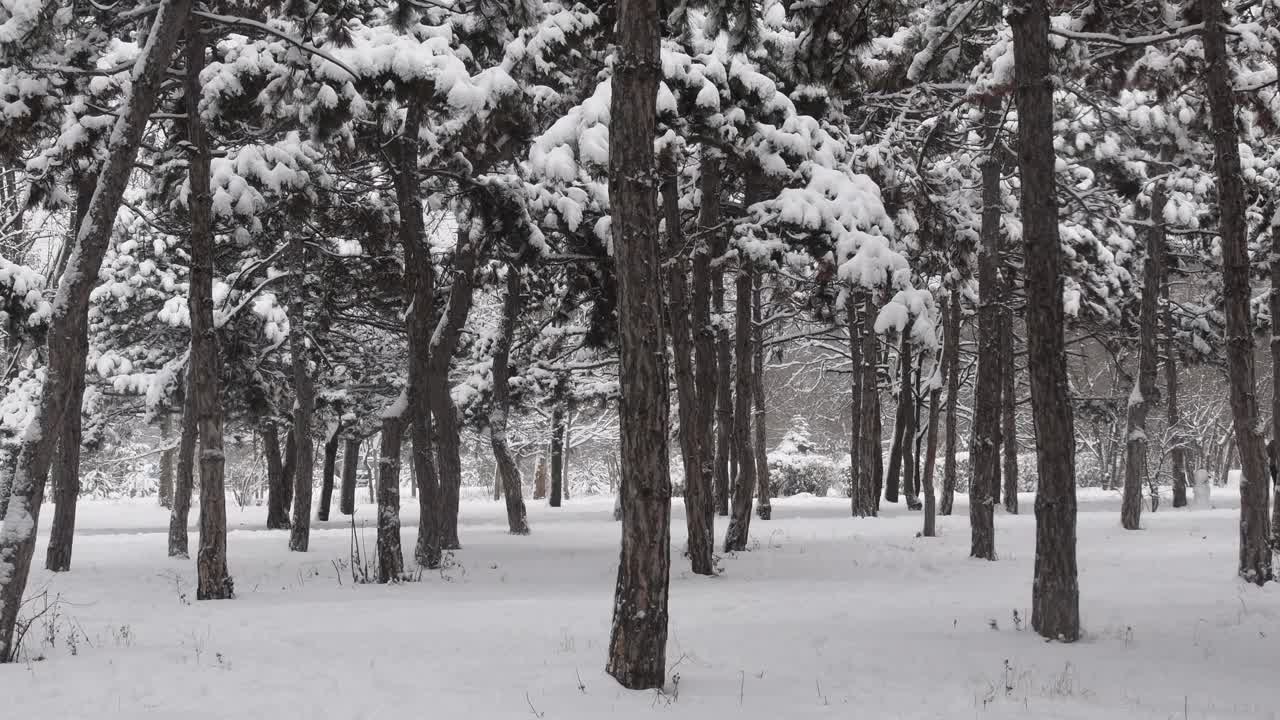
(951, 368)
(277, 509)
(637, 645)
(856, 471)
(1179, 466)
(390, 556)
(326, 474)
(288, 468)
(735, 537)
(1178, 462)
(1144, 391)
(931, 452)
(872, 454)
(557, 444)
(984, 456)
(704, 347)
(697, 496)
(902, 409)
(184, 479)
(304, 389)
(1055, 594)
(166, 459)
(764, 509)
(508, 471)
(1255, 551)
(66, 465)
(213, 580)
(724, 417)
(419, 283)
(1009, 397)
(907, 399)
(350, 461)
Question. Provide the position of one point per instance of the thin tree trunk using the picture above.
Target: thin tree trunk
(288, 468)
(724, 417)
(1171, 374)
(735, 538)
(900, 422)
(1144, 392)
(637, 645)
(856, 471)
(1009, 398)
(213, 580)
(350, 461)
(326, 474)
(166, 459)
(984, 457)
(557, 445)
(704, 348)
(1055, 594)
(277, 510)
(872, 454)
(951, 368)
(390, 556)
(184, 479)
(931, 454)
(508, 471)
(304, 389)
(697, 496)
(1179, 466)
(764, 508)
(1255, 550)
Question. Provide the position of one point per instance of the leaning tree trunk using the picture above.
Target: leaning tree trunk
(390, 556)
(951, 368)
(350, 461)
(70, 315)
(166, 459)
(184, 480)
(1144, 391)
(327, 473)
(1009, 398)
(704, 349)
(213, 580)
(764, 509)
(984, 455)
(304, 389)
(419, 283)
(1178, 466)
(735, 537)
(1055, 594)
(508, 470)
(277, 508)
(697, 496)
(1255, 551)
(637, 645)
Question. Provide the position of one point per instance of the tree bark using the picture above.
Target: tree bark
(166, 459)
(637, 646)
(288, 469)
(277, 509)
(390, 556)
(872, 455)
(984, 456)
(326, 474)
(1178, 453)
(724, 417)
(1255, 551)
(350, 461)
(931, 454)
(764, 508)
(508, 470)
(706, 367)
(185, 477)
(697, 495)
(1144, 393)
(856, 470)
(1009, 396)
(1055, 594)
(304, 389)
(901, 410)
(735, 538)
(557, 444)
(951, 367)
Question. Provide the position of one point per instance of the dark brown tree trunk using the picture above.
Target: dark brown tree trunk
(704, 347)
(326, 474)
(872, 430)
(390, 556)
(637, 645)
(1009, 397)
(697, 496)
(735, 538)
(1179, 466)
(724, 418)
(304, 389)
(419, 283)
(166, 459)
(1255, 551)
(856, 470)
(900, 422)
(557, 445)
(184, 478)
(350, 461)
(1178, 461)
(909, 447)
(1055, 594)
(508, 471)
(213, 580)
(764, 509)
(277, 510)
(951, 369)
(931, 454)
(70, 315)
(984, 455)
(1144, 393)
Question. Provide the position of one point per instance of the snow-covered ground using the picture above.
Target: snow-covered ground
(826, 616)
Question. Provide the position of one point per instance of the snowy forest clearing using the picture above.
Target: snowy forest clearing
(826, 616)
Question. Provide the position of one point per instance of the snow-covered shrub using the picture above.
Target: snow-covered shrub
(796, 467)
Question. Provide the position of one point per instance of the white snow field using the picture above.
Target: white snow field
(827, 616)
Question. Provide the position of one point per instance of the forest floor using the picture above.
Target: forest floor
(826, 616)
